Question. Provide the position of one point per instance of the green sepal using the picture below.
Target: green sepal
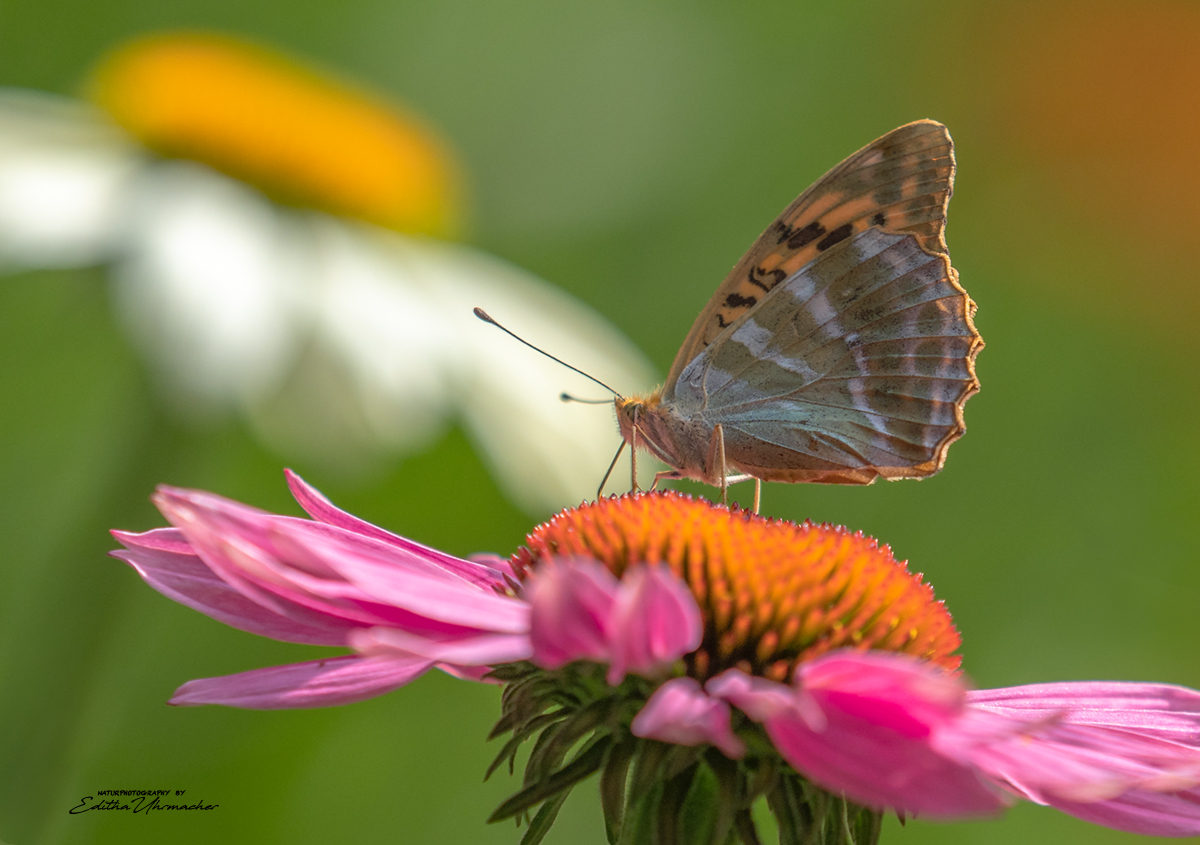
(586, 762)
(556, 741)
(612, 786)
(646, 770)
(670, 808)
(544, 819)
(743, 826)
(509, 751)
(652, 792)
(699, 815)
(641, 816)
(808, 815)
(723, 787)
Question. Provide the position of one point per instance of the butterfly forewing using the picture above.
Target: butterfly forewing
(899, 183)
(855, 367)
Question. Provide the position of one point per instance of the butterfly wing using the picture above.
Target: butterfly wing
(899, 183)
(857, 366)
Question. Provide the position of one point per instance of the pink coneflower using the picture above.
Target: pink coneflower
(697, 658)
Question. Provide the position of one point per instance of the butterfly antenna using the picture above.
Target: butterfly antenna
(567, 397)
(487, 318)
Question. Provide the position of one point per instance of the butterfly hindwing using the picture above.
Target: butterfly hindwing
(899, 183)
(854, 367)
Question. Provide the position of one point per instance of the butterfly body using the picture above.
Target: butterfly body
(841, 348)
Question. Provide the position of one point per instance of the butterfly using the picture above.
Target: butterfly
(840, 349)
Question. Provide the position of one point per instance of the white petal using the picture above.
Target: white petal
(545, 453)
(65, 179)
(373, 378)
(209, 289)
(378, 319)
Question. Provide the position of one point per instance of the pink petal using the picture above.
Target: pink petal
(680, 713)
(1162, 710)
(571, 602)
(268, 557)
(321, 509)
(1147, 813)
(502, 566)
(468, 673)
(1120, 754)
(453, 601)
(889, 690)
(875, 740)
(655, 622)
(1048, 761)
(318, 683)
(761, 699)
(223, 534)
(478, 650)
(186, 579)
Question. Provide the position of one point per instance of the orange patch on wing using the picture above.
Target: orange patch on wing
(263, 118)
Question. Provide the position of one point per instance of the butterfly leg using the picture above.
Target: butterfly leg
(603, 481)
(757, 494)
(665, 475)
(716, 460)
(633, 488)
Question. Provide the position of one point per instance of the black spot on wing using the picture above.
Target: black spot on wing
(760, 278)
(804, 236)
(880, 219)
(735, 300)
(836, 236)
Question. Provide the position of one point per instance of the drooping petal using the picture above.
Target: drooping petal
(468, 673)
(679, 712)
(879, 768)
(500, 566)
(1163, 710)
(1139, 811)
(762, 699)
(571, 604)
(890, 690)
(317, 506)
(477, 650)
(655, 621)
(165, 561)
(1049, 760)
(1124, 755)
(238, 543)
(450, 600)
(875, 740)
(317, 683)
(312, 563)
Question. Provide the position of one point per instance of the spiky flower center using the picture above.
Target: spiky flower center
(773, 594)
(297, 134)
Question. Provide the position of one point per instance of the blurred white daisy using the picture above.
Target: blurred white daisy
(271, 235)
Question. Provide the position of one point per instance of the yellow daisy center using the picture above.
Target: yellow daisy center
(773, 594)
(262, 118)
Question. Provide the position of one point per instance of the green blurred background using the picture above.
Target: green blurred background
(630, 152)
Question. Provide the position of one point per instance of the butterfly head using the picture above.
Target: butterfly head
(647, 416)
